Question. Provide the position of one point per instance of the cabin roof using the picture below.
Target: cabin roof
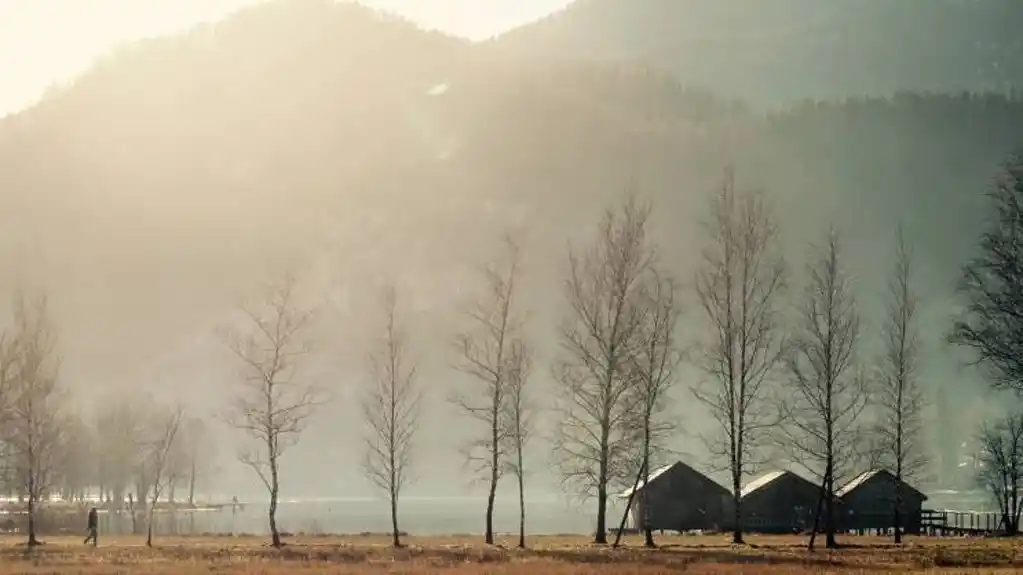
(653, 476)
(866, 476)
(761, 482)
(665, 469)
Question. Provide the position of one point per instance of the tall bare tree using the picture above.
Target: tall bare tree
(992, 287)
(820, 410)
(739, 285)
(35, 433)
(484, 352)
(1001, 467)
(899, 397)
(391, 410)
(161, 448)
(519, 411)
(595, 443)
(273, 403)
(653, 365)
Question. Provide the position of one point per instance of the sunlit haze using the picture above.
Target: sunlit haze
(298, 260)
(43, 42)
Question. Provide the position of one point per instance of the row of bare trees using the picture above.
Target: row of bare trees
(107, 449)
(275, 401)
(782, 381)
(772, 378)
(51, 448)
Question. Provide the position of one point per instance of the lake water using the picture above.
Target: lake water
(417, 516)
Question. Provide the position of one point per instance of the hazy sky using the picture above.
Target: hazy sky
(47, 41)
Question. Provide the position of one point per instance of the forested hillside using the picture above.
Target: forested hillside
(776, 51)
(165, 182)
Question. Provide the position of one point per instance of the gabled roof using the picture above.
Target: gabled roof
(679, 467)
(657, 473)
(866, 476)
(762, 481)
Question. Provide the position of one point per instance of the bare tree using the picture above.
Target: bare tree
(391, 410)
(991, 286)
(119, 425)
(899, 396)
(198, 452)
(273, 403)
(1001, 467)
(77, 453)
(161, 448)
(653, 365)
(820, 410)
(738, 286)
(484, 354)
(594, 441)
(35, 433)
(519, 411)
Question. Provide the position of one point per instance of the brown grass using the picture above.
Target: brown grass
(462, 555)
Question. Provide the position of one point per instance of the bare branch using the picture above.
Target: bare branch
(518, 420)
(485, 351)
(1001, 467)
(273, 404)
(820, 410)
(653, 362)
(738, 285)
(595, 441)
(159, 450)
(992, 286)
(34, 430)
(390, 410)
(898, 396)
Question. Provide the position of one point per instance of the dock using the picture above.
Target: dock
(945, 522)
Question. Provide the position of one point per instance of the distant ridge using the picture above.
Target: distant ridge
(777, 51)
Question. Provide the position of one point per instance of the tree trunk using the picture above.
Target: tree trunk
(829, 510)
(494, 462)
(32, 541)
(897, 515)
(737, 511)
(600, 537)
(648, 533)
(396, 535)
(149, 527)
(191, 486)
(522, 487)
(491, 496)
(274, 489)
(628, 506)
(131, 509)
(1014, 510)
(816, 519)
(737, 423)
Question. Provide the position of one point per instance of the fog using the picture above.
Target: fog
(156, 194)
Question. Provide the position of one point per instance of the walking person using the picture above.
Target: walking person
(93, 528)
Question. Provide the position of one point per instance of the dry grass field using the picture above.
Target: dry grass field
(365, 555)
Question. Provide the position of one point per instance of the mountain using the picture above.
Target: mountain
(772, 52)
(179, 173)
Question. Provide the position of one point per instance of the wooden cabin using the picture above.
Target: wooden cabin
(779, 502)
(678, 498)
(868, 501)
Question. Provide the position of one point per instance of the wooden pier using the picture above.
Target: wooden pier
(944, 522)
